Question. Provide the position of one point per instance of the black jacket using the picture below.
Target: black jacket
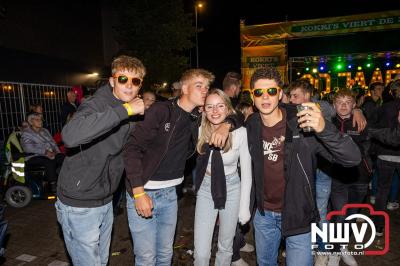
(362, 173)
(372, 110)
(66, 110)
(94, 137)
(299, 208)
(388, 119)
(148, 143)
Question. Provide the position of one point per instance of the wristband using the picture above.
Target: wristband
(139, 195)
(128, 108)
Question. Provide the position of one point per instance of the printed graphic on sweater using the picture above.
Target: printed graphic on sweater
(272, 149)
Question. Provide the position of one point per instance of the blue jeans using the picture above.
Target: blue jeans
(87, 232)
(323, 184)
(153, 237)
(204, 222)
(268, 235)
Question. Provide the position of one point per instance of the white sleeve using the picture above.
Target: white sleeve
(246, 178)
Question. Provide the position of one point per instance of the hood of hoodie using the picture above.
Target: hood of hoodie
(106, 94)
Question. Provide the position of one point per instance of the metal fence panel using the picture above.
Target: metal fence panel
(15, 99)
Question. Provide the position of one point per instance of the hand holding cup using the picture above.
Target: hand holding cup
(310, 117)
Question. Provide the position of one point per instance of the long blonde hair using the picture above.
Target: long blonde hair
(206, 129)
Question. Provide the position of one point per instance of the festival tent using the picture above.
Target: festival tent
(267, 45)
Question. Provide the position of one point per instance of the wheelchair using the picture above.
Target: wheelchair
(19, 186)
(18, 194)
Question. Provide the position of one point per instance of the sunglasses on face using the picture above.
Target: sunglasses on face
(260, 92)
(122, 79)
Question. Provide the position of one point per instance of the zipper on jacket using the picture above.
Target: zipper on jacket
(166, 150)
(302, 168)
(194, 150)
(367, 166)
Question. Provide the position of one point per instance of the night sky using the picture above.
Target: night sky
(219, 42)
(72, 31)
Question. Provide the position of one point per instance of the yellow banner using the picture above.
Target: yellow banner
(262, 56)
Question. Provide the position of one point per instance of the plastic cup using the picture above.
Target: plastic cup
(301, 108)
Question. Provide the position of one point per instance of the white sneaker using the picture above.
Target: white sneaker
(321, 260)
(247, 248)
(391, 206)
(372, 199)
(348, 259)
(239, 262)
(379, 232)
(333, 260)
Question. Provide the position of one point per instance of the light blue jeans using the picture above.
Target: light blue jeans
(87, 232)
(323, 184)
(268, 236)
(204, 222)
(153, 237)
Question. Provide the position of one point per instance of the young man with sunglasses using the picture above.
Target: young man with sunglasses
(301, 91)
(155, 158)
(94, 165)
(284, 161)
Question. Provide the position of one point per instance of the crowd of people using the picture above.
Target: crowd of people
(279, 156)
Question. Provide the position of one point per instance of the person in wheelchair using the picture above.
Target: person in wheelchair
(40, 148)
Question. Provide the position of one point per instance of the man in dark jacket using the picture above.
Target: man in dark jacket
(372, 104)
(155, 158)
(69, 107)
(388, 155)
(284, 164)
(94, 165)
(350, 184)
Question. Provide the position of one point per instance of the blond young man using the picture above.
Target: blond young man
(155, 158)
(93, 167)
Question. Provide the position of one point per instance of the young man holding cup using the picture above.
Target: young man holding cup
(301, 91)
(283, 167)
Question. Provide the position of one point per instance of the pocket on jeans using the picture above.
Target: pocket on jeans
(172, 196)
(130, 202)
(59, 212)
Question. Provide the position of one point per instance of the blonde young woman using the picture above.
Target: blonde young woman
(220, 190)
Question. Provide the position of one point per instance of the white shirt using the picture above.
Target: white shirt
(239, 152)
